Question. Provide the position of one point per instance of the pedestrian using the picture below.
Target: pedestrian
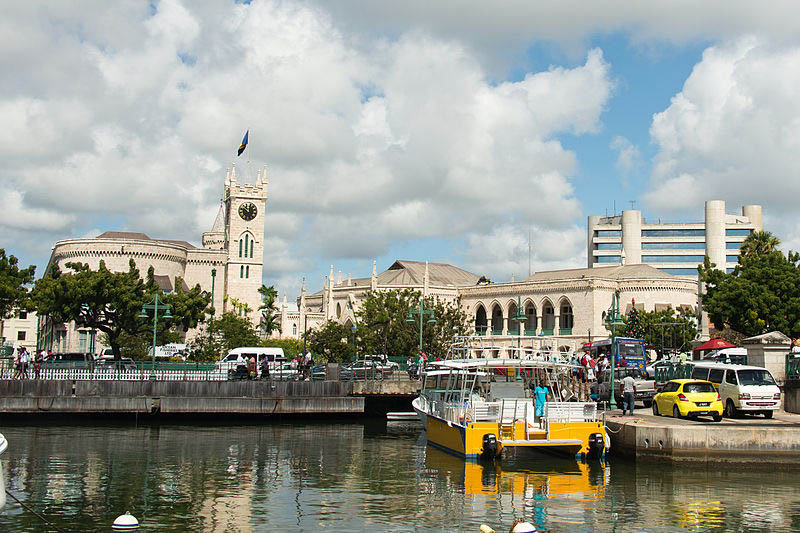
(251, 368)
(540, 397)
(37, 365)
(309, 364)
(628, 394)
(265, 368)
(17, 365)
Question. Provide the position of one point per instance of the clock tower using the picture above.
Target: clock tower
(245, 206)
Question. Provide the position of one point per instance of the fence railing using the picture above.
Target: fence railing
(177, 371)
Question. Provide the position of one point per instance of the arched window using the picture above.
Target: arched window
(251, 247)
(247, 271)
(240, 247)
(294, 330)
(567, 318)
(480, 320)
(548, 318)
(241, 271)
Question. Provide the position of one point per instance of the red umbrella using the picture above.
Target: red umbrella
(717, 343)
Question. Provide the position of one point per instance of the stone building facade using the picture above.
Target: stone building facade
(566, 304)
(229, 264)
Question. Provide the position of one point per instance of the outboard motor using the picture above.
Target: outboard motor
(489, 451)
(596, 446)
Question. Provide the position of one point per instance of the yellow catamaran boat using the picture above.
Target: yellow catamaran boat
(479, 407)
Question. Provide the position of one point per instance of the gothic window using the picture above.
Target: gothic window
(241, 271)
(294, 330)
(247, 271)
(251, 248)
(240, 247)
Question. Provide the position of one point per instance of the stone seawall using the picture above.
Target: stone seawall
(179, 397)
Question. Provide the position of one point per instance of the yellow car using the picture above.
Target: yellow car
(688, 398)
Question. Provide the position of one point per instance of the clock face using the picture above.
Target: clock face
(248, 211)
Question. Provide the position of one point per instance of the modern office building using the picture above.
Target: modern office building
(674, 248)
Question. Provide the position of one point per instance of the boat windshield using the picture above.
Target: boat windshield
(755, 377)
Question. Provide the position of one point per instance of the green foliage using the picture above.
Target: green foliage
(13, 280)
(110, 302)
(761, 294)
(633, 324)
(330, 342)
(291, 347)
(222, 335)
(382, 325)
(674, 330)
(269, 313)
(759, 243)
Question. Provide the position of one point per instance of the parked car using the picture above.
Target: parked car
(688, 398)
(743, 389)
(361, 370)
(79, 360)
(645, 387)
(382, 361)
(241, 356)
(125, 363)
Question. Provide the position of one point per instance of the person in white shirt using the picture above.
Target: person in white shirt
(628, 394)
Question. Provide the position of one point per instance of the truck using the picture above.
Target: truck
(645, 387)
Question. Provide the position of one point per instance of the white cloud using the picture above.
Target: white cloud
(132, 116)
(733, 132)
(629, 159)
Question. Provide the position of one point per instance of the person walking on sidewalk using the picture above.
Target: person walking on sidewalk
(628, 394)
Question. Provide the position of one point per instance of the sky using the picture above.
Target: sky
(451, 132)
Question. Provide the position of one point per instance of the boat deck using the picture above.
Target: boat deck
(541, 443)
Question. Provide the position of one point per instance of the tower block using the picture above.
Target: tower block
(245, 209)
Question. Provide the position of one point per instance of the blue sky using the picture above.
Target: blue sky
(434, 132)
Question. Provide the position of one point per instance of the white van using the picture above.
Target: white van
(240, 356)
(743, 389)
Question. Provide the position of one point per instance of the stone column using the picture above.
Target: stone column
(715, 232)
(632, 236)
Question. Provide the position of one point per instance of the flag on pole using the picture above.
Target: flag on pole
(244, 143)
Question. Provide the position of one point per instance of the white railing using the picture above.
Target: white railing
(110, 374)
(570, 411)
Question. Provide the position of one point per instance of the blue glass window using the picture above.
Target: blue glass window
(733, 245)
(737, 232)
(607, 259)
(673, 246)
(680, 271)
(732, 258)
(608, 233)
(609, 245)
(673, 233)
(672, 258)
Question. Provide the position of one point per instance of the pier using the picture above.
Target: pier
(751, 439)
(204, 398)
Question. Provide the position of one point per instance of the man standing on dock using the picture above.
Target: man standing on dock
(629, 394)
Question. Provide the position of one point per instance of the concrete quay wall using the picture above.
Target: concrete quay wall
(705, 443)
(178, 397)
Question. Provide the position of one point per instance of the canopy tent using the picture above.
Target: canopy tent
(716, 343)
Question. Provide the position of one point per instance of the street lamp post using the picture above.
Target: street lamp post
(421, 313)
(213, 278)
(353, 330)
(613, 319)
(520, 318)
(154, 305)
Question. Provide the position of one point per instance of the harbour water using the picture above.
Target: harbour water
(352, 476)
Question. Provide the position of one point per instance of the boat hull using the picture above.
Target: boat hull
(565, 439)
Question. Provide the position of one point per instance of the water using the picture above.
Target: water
(347, 476)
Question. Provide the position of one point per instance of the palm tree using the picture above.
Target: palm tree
(269, 313)
(759, 243)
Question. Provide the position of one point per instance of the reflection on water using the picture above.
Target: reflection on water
(345, 476)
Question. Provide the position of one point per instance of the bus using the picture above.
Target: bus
(630, 351)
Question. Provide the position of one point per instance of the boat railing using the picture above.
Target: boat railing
(570, 411)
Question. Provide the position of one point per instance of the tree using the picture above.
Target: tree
(224, 334)
(13, 281)
(669, 328)
(759, 243)
(761, 294)
(633, 324)
(111, 301)
(269, 313)
(382, 325)
(330, 342)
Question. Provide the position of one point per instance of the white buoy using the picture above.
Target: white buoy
(523, 527)
(125, 522)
